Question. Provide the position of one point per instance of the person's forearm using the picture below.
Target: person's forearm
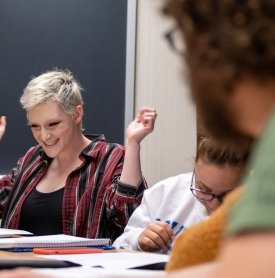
(248, 255)
(206, 270)
(131, 172)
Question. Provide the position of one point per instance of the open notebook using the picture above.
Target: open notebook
(51, 241)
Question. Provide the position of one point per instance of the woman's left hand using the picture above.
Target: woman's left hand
(142, 125)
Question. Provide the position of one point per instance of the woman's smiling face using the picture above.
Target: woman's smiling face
(52, 128)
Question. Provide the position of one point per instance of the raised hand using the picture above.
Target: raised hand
(157, 236)
(3, 124)
(142, 125)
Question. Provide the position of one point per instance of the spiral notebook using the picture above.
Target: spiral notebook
(52, 241)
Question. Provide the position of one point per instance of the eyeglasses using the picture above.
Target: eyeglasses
(175, 40)
(203, 195)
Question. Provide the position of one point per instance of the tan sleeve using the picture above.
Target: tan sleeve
(201, 242)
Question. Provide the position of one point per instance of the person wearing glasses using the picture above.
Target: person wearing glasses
(2, 126)
(229, 55)
(70, 182)
(174, 204)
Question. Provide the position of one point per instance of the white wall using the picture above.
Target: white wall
(170, 149)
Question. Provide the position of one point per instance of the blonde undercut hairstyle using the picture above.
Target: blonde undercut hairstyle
(56, 85)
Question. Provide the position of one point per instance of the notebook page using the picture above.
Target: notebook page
(13, 232)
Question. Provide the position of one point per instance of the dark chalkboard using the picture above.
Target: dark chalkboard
(88, 37)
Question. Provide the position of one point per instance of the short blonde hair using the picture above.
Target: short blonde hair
(56, 85)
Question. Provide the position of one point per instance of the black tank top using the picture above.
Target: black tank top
(41, 213)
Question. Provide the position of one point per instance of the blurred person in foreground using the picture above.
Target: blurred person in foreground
(230, 53)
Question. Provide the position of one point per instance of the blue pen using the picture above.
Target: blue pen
(104, 247)
(21, 249)
(108, 247)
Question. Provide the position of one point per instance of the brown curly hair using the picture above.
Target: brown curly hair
(226, 40)
(237, 34)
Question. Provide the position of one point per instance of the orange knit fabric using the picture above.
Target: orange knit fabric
(200, 243)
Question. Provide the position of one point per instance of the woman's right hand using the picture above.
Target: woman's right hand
(156, 236)
(3, 124)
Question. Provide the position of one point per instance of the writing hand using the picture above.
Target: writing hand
(157, 236)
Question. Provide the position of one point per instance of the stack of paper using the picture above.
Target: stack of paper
(13, 233)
